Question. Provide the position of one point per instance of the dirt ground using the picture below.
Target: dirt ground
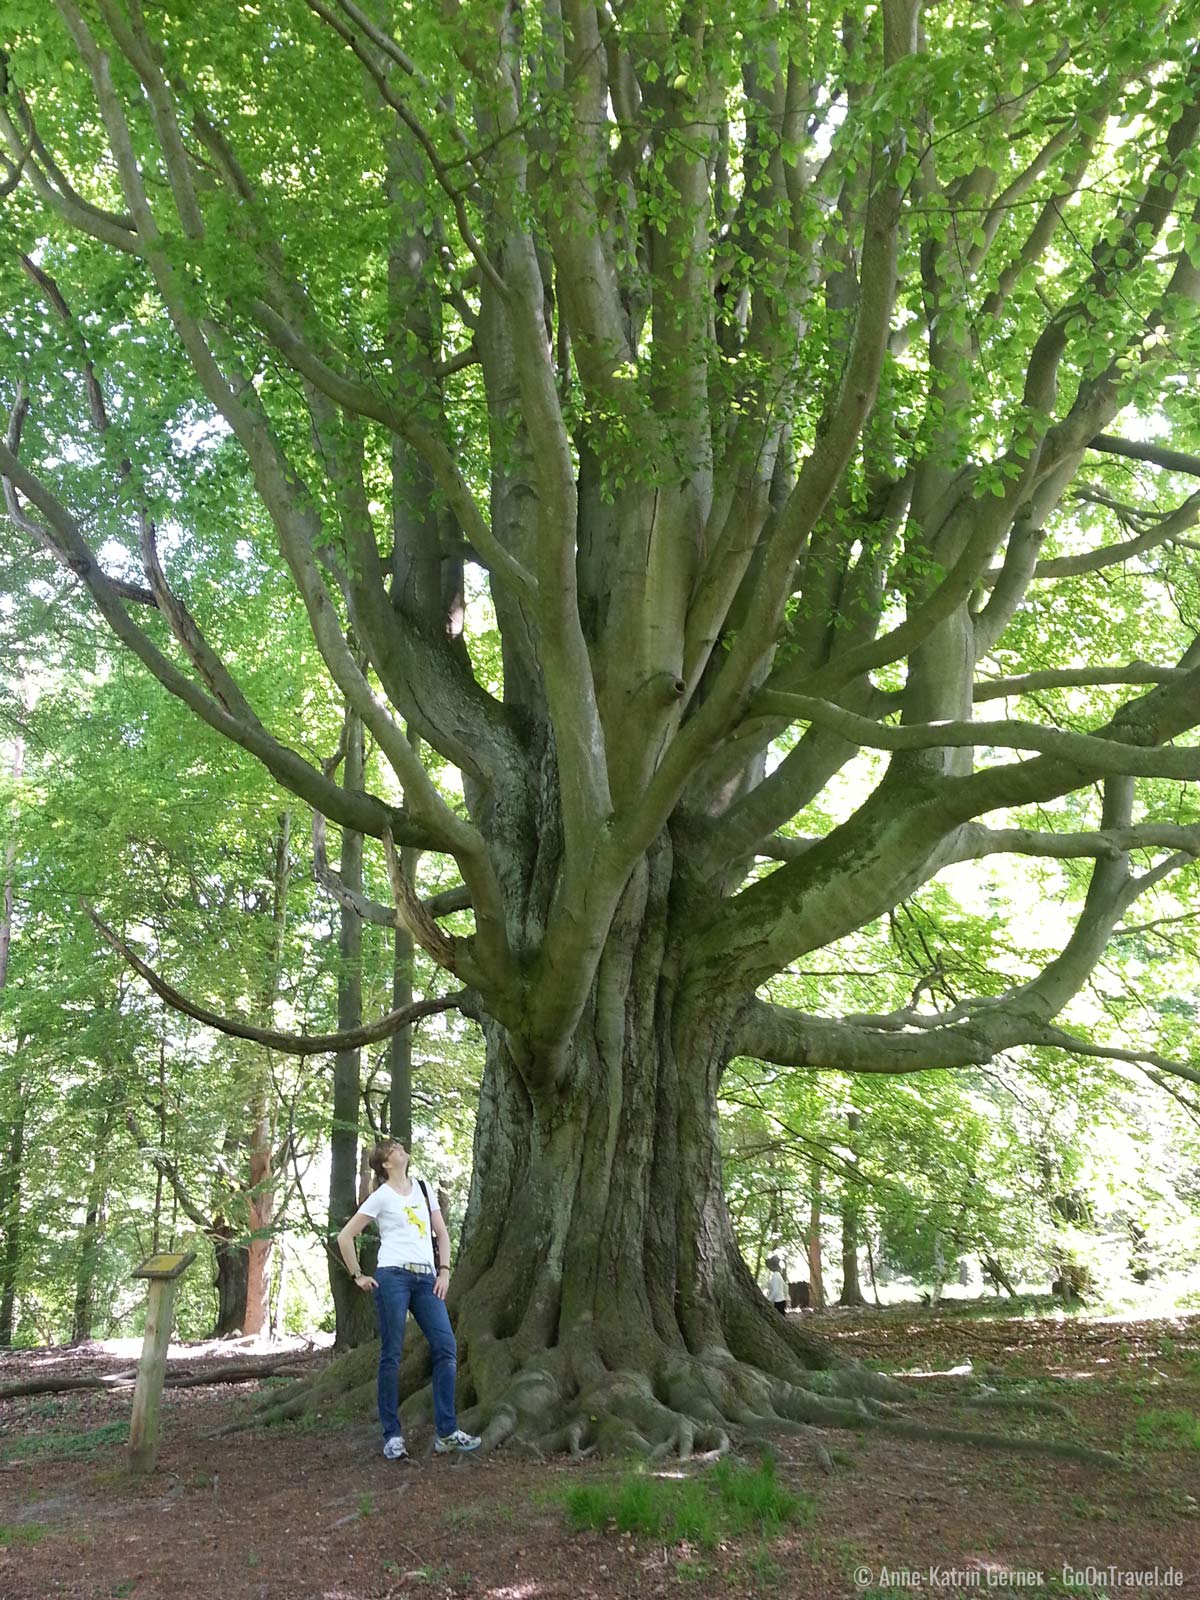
(313, 1512)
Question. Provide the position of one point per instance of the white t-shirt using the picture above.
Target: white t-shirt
(776, 1288)
(403, 1224)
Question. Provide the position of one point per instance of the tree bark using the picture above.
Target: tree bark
(10, 1174)
(816, 1277)
(230, 1282)
(353, 1310)
(10, 1205)
(600, 1295)
(851, 1294)
(400, 1046)
(260, 1198)
(92, 1237)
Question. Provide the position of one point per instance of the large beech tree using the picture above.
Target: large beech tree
(765, 370)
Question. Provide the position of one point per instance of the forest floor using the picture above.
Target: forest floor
(313, 1512)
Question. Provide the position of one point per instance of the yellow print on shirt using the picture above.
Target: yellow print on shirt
(417, 1220)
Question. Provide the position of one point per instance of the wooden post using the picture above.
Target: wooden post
(164, 1272)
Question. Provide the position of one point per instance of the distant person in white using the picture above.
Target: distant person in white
(776, 1286)
(409, 1219)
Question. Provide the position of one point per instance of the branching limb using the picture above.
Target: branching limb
(1073, 678)
(974, 1032)
(374, 911)
(1087, 751)
(976, 841)
(1146, 450)
(1163, 531)
(296, 1044)
(61, 532)
(364, 46)
(1062, 1039)
(37, 531)
(170, 1171)
(818, 477)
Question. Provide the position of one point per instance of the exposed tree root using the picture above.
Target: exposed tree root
(1023, 1402)
(568, 1401)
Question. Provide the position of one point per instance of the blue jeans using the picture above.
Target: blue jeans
(400, 1292)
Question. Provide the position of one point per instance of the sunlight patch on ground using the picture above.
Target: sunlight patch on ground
(516, 1591)
(131, 1349)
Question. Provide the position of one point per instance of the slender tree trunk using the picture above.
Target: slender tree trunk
(92, 1237)
(767, 1231)
(939, 1269)
(354, 1311)
(279, 1299)
(10, 857)
(85, 1272)
(400, 1046)
(10, 1204)
(10, 1173)
(260, 1208)
(871, 1267)
(851, 1294)
(160, 1111)
(816, 1276)
(261, 1196)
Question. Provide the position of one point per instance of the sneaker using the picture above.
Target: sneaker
(458, 1440)
(395, 1449)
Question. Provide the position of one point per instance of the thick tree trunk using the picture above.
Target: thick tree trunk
(600, 1296)
(233, 1262)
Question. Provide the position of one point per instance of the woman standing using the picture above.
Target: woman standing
(776, 1286)
(409, 1220)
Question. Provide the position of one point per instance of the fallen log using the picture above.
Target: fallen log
(183, 1379)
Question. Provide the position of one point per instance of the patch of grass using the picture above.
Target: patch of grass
(753, 1497)
(469, 1516)
(1084, 1508)
(366, 1503)
(115, 1478)
(732, 1499)
(22, 1533)
(67, 1445)
(763, 1570)
(1168, 1428)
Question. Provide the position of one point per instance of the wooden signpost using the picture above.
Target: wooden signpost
(164, 1272)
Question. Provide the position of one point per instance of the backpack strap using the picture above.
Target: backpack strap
(437, 1264)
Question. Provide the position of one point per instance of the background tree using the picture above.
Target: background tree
(761, 357)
